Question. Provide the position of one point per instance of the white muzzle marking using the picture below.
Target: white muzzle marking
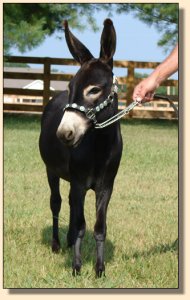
(72, 127)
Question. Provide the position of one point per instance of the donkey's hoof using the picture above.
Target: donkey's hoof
(100, 271)
(76, 271)
(55, 246)
(100, 274)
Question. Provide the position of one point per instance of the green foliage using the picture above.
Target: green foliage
(141, 75)
(16, 65)
(27, 25)
(25, 34)
(164, 16)
(141, 247)
(162, 90)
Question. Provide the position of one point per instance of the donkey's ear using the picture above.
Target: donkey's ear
(108, 42)
(79, 52)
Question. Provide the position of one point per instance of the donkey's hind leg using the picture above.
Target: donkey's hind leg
(55, 205)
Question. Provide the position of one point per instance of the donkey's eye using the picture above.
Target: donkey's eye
(94, 91)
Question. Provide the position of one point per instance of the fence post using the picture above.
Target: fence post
(130, 81)
(46, 92)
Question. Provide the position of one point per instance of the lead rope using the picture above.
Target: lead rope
(117, 116)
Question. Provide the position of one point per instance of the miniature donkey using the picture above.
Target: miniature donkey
(74, 150)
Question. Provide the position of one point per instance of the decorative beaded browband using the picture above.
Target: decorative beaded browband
(91, 112)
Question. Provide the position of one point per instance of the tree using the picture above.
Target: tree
(164, 16)
(27, 25)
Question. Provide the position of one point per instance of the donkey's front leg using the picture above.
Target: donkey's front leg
(102, 200)
(77, 224)
(55, 204)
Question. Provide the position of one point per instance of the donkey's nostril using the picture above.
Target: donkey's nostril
(66, 135)
(69, 135)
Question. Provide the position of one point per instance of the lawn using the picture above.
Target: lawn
(141, 247)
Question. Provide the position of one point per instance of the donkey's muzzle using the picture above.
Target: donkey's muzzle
(72, 128)
(66, 135)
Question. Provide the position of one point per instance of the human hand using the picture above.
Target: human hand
(144, 91)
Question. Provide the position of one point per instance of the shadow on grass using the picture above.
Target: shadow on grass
(88, 250)
(158, 249)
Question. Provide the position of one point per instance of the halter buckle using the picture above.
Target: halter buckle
(91, 115)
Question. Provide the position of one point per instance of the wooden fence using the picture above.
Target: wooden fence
(156, 109)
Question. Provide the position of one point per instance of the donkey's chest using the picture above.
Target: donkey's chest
(89, 171)
(89, 165)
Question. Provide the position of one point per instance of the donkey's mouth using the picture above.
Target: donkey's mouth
(77, 142)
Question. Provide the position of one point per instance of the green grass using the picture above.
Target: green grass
(141, 245)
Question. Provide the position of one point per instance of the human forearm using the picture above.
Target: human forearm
(167, 67)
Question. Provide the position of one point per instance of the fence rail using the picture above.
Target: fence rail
(156, 110)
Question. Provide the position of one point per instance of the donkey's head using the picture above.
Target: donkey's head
(90, 89)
